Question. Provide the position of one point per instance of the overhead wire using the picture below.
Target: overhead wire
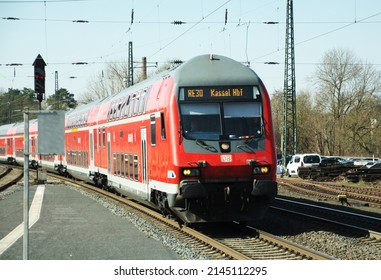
(190, 28)
(194, 24)
(323, 34)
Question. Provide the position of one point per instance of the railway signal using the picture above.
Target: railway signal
(39, 77)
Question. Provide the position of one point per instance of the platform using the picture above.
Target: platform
(73, 226)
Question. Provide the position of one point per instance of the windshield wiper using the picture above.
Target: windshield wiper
(246, 147)
(249, 139)
(202, 144)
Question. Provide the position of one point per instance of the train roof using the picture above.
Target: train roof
(203, 70)
(17, 128)
(5, 128)
(207, 70)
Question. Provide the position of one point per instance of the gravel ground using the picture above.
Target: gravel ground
(336, 245)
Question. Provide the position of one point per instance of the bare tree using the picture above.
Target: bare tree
(345, 86)
(109, 81)
(106, 83)
(308, 124)
(277, 116)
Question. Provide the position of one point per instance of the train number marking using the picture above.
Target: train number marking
(226, 158)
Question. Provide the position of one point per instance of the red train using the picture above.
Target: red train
(196, 141)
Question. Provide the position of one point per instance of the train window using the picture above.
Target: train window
(115, 111)
(95, 140)
(201, 121)
(74, 157)
(126, 174)
(99, 137)
(125, 113)
(123, 105)
(162, 122)
(148, 90)
(242, 119)
(130, 166)
(119, 162)
(136, 105)
(115, 164)
(136, 170)
(153, 129)
(120, 108)
(132, 102)
(104, 137)
(122, 165)
(141, 103)
(109, 114)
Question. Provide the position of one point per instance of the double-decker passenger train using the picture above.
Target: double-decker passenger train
(196, 141)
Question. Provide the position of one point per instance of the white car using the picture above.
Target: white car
(301, 160)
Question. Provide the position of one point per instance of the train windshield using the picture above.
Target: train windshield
(223, 120)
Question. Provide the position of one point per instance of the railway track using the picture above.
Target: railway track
(260, 245)
(347, 221)
(369, 195)
(9, 176)
(332, 231)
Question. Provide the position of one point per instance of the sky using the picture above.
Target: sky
(233, 28)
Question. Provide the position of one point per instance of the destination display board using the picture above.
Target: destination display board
(219, 93)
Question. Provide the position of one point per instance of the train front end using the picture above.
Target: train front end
(227, 156)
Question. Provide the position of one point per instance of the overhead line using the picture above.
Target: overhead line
(188, 22)
(321, 35)
(37, 1)
(186, 31)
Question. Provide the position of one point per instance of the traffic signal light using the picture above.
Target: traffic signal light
(39, 83)
(39, 77)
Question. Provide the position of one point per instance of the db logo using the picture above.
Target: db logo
(226, 158)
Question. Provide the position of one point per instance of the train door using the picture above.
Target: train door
(13, 144)
(143, 135)
(33, 146)
(91, 150)
(109, 152)
(9, 147)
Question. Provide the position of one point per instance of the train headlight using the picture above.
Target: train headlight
(261, 170)
(191, 172)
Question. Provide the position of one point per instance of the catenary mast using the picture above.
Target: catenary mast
(289, 145)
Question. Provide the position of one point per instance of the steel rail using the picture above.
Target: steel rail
(371, 233)
(5, 183)
(308, 252)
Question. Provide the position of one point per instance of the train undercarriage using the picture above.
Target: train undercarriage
(200, 203)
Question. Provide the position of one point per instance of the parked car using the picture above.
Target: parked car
(327, 161)
(298, 160)
(363, 161)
